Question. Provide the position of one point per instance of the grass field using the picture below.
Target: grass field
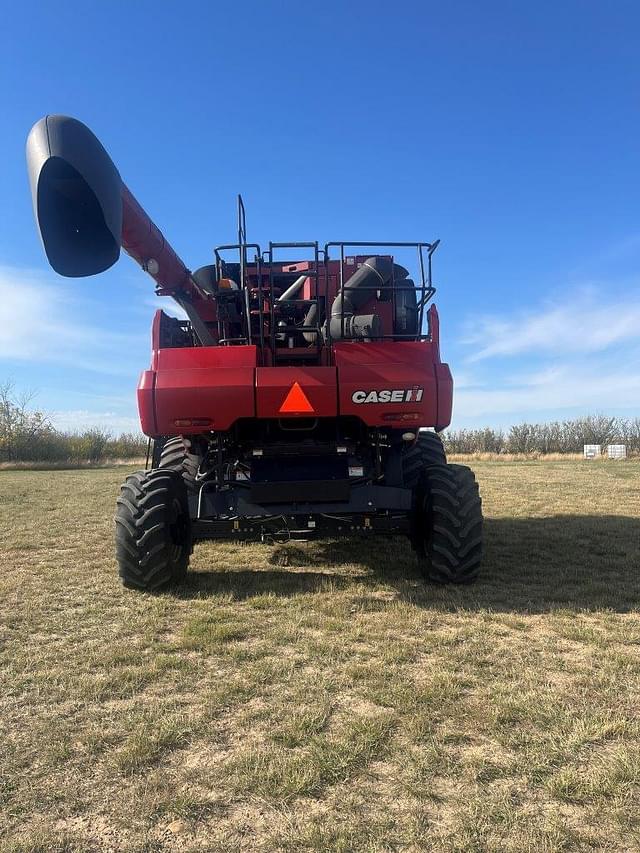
(320, 697)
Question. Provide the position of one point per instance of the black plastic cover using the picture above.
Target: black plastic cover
(77, 196)
(299, 480)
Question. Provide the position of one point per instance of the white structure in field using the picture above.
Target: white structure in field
(617, 451)
(592, 451)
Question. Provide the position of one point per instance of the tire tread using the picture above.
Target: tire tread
(426, 450)
(144, 550)
(449, 521)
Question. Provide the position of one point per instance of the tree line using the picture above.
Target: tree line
(28, 435)
(568, 436)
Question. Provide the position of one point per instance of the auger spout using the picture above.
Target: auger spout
(86, 214)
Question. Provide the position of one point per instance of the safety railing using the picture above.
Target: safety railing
(425, 289)
(276, 307)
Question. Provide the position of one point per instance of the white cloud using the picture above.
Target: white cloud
(81, 419)
(582, 324)
(168, 305)
(581, 385)
(42, 321)
(465, 379)
(580, 353)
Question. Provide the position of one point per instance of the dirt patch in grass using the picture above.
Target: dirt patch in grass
(321, 697)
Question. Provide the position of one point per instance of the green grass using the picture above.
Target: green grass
(321, 697)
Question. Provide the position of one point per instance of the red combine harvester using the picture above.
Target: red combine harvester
(294, 399)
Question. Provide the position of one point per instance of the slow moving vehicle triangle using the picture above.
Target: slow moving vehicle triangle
(296, 401)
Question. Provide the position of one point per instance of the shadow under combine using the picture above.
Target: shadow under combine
(531, 565)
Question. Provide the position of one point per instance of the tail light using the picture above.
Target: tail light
(401, 416)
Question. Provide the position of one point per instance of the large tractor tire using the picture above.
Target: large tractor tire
(171, 453)
(427, 450)
(153, 529)
(447, 531)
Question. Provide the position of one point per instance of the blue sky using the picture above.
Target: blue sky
(510, 130)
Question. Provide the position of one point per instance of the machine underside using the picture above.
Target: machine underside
(270, 479)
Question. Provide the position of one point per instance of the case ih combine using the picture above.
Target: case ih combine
(290, 402)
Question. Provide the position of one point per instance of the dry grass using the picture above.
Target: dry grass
(321, 697)
(70, 465)
(534, 456)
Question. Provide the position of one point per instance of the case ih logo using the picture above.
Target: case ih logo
(400, 395)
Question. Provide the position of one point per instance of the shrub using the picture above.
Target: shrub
(556, 437)
(27, 435)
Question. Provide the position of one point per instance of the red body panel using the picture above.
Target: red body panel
(318, 384)
(444, 382)
(213, 384)
(146, 402)
(190, 390)
(388, 366)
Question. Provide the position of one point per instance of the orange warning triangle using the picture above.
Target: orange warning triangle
(296, 401)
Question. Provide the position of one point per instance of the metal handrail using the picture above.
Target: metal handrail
(426, 288)
(322, 256)
(314, 273)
